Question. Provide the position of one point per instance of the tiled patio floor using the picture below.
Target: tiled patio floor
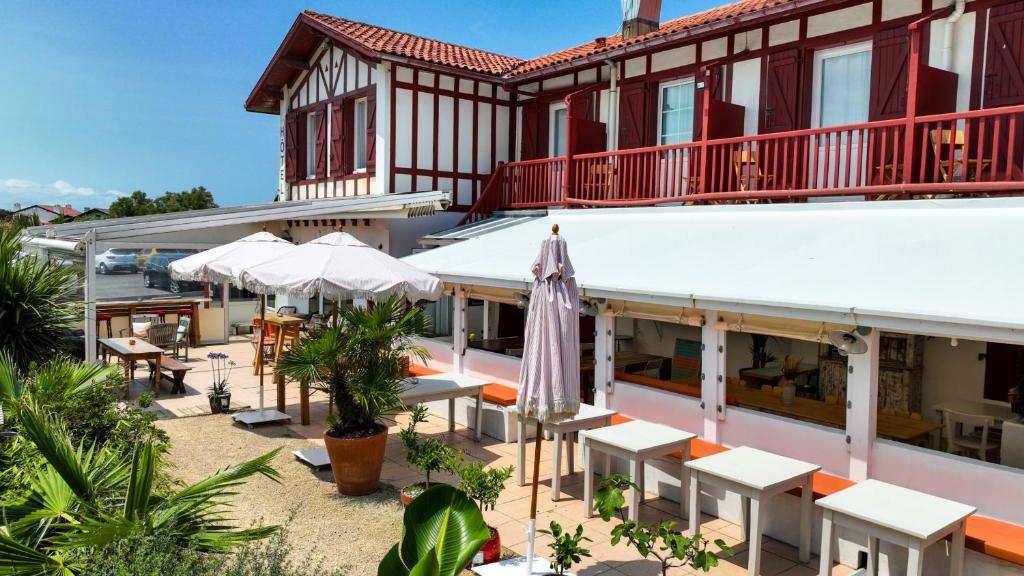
(512, 512)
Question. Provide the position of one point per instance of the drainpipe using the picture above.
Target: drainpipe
(947, 37)
(613, 106)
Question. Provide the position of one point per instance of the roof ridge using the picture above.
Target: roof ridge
(393, 31)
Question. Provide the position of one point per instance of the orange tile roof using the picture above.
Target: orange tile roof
(417, 47)
(669, 27)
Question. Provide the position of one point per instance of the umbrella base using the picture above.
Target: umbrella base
(514, 567)
(313, 457)
(264, 416)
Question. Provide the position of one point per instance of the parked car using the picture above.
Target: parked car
(144, 255)
(156, 273)
(117, 260)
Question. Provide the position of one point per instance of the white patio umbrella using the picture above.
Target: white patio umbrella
(549, 379)
(340, 267)
(223, 264)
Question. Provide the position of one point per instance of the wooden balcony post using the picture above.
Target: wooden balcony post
(912, 80)
(570, 141)
(707, 88)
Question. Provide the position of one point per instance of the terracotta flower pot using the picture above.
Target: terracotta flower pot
(356, 462)
(492, 549)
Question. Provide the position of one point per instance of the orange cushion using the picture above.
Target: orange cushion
(620, 419)
(418, 370)
(824, 484)
(996, 538)
(500, 394)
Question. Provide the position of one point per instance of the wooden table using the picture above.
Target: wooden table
(891, 426)
(129, 353)
(755, 475)
(448, 386)
(129, 308)
(588, 417)
(287, 327)
(898, 515)
(635, 442)
(772, 374)
(624, 360)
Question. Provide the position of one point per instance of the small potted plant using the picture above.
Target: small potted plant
(219, 393)
(483, 485)
(566, 547)
(661, 540)
(424, 454)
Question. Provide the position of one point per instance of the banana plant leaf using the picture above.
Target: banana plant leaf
(442, 530)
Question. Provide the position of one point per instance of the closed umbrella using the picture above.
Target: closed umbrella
(549, 379)
(341, 267)
(223, 264)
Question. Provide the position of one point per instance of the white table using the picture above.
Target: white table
(588, 417)
(999, 413)
(898, 515)
(448, 386)
(755, 475)
(634, 441)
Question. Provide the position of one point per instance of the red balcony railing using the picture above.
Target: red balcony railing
(962, 153)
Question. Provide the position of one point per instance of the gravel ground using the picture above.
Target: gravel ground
(347, 532)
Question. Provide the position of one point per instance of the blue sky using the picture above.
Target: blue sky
(103, 98)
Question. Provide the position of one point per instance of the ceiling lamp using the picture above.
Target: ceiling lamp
(850, 342)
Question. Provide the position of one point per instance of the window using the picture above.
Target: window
(311, 152)
(675, 112)
(359, 124)
(842, 80)
(558, 138)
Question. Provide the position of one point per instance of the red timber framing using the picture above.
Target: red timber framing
(906, 150)
(426, 85)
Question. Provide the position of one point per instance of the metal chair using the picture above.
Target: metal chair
(963, 436)
(138, 320)
(652, 368)
(183, 336)
(1012, 451)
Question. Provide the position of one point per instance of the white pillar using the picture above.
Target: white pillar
(491, 312)
(90, 296)
(283, 188)
(604, 358)
(613, 107)
(712, 375)
(460, 318)
(225, 290)
(382, 162)
(862, 407)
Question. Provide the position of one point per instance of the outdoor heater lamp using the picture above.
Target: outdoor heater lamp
(850, 342)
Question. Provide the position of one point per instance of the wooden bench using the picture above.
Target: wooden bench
(173, 369)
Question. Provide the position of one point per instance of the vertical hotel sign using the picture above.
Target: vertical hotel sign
(282, 180)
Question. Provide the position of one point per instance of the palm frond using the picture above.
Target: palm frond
(16, 559)
(140, 483)
(54, 444)
(228, 478)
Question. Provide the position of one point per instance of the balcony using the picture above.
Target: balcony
(973, 153)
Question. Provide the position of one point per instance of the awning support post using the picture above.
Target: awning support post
(460, 318)
(90, 296)
(712, 374)
(862, 407)
(604, 357)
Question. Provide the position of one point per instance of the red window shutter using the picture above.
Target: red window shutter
(348, 153)
(1004, 60)
(337, 142)
(321, 143)
(782, 82)
(371, 131)
(633, 122)
(890, 55)
(291, 148)
(530, 131)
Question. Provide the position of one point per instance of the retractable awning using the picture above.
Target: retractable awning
(942, 267)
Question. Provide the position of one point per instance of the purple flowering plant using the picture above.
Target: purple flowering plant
(221, 367)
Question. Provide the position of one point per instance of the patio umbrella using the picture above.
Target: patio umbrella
(223, 264)
(549, 379)
(340, 267)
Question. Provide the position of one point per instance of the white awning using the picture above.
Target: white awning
(945, 267)
(376, 206)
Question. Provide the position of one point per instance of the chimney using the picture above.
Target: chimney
(17, 206)
(639, 17)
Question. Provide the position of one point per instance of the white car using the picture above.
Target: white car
(117, 260)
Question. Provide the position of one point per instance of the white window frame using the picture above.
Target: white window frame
(359, 136)
(552, 128)
(311, 122)
(661, 101)
(819, 60)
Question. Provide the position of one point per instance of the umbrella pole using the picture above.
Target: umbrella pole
(263, 328)
(532, 529)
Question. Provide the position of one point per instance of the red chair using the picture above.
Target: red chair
(105, 318)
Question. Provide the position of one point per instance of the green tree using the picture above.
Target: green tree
(139, 204)
(37, 303)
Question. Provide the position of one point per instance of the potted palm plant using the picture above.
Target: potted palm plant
(484, 485)
(425, 454)
(358, 363)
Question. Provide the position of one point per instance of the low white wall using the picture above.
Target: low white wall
(820, 445)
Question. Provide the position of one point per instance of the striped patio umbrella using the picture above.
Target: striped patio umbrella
(549, 380)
